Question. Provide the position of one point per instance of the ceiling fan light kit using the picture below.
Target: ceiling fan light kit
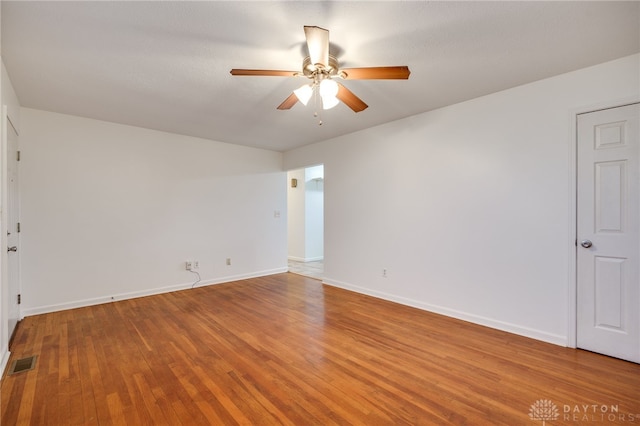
(304, 93)
(322, 69)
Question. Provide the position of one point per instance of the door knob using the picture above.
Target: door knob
(586, 243)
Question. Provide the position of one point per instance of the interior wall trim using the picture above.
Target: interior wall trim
(125, 296)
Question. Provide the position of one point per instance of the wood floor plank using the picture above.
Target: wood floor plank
(285, 349)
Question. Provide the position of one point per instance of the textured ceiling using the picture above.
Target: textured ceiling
(165, 65)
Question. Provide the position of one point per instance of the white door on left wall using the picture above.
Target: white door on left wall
(13, 236)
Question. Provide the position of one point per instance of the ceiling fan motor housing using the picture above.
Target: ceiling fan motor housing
(311, 70)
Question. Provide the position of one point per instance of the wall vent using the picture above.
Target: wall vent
(23, 364)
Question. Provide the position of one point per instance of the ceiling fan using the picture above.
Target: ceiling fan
(322, 69)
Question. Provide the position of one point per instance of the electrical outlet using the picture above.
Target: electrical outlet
(384, 273)
(228, 261)
(196, 264)
(188, 265)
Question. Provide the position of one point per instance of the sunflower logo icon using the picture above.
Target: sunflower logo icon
(545, 410)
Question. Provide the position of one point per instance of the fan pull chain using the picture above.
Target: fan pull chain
(316, 102)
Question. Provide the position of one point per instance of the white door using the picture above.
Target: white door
(608, 232)
(13, 243)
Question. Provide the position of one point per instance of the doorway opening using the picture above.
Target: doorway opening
(305, 226)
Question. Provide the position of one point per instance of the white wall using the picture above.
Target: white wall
(296, 215)
(467, 207)
(113, 211)
(314, 213)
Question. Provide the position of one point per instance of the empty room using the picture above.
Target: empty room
(471, 178)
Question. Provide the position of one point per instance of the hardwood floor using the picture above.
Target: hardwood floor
(285, 349)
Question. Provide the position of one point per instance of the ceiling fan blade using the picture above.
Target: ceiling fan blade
(289, 102)
(270, 73)
(318, 45)
(377, 73)
(350, 100)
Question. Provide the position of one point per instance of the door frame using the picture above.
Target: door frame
(572, 327)
(8, 126)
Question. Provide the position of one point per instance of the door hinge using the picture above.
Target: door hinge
(18, 227)
(18, 155)
(19, 299)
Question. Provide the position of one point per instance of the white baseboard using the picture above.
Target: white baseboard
(231, 278)
(306, 259)
(544, 336)
(132, 295)
(476, 319)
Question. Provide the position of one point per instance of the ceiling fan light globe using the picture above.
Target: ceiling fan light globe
(329, 102)
(304, 94)
(328, 88)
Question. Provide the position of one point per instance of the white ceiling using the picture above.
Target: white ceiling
(165, 65)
